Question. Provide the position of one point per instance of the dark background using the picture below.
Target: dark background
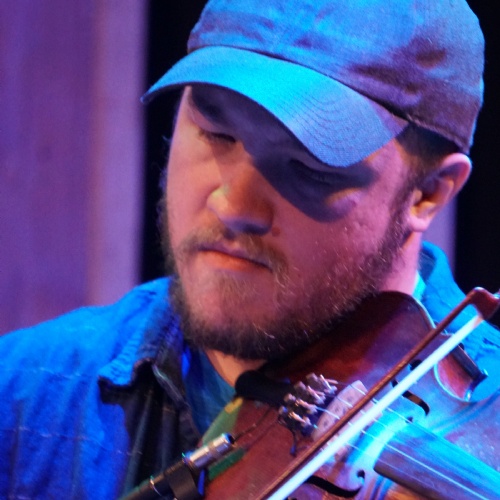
(170, 23)
(478, 211)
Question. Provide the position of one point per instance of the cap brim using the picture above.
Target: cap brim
(337, 125)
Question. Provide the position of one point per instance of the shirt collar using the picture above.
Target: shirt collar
(158, 332)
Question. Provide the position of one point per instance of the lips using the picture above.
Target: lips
(234, 253)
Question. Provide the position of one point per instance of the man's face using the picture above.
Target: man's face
(269, 244)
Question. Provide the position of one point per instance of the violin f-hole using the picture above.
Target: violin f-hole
(410, 396)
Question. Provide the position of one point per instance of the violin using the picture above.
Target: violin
(310, 427)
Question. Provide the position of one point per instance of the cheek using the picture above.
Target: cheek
(188, 186)
(350, 233)
(179, 196)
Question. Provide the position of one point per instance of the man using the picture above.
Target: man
(314, 143)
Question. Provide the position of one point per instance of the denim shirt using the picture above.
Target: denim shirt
(81, 414)
(94, 402)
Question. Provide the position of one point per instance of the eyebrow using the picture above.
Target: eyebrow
(210, 111)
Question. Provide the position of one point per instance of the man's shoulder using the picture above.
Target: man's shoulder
(442, 294)
(51, 398)
(93, 333)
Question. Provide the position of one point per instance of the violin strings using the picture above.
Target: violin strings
(368, 433)
(391, 447)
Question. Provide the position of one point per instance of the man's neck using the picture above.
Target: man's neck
(403, 277)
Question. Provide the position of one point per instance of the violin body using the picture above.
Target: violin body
(361, 349)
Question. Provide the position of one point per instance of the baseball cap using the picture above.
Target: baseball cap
(345, 77)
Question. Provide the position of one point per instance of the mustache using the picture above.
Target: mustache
(251, 245)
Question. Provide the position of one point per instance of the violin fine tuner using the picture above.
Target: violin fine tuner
(301, 407)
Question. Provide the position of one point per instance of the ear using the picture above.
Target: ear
(438, 189)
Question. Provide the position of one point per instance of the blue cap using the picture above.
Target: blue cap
(345, 77)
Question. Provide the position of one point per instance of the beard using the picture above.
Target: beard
(303, 313)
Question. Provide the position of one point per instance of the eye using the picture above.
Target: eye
(216, 137)
(311, 174)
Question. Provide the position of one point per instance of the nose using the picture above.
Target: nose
(242, 200)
